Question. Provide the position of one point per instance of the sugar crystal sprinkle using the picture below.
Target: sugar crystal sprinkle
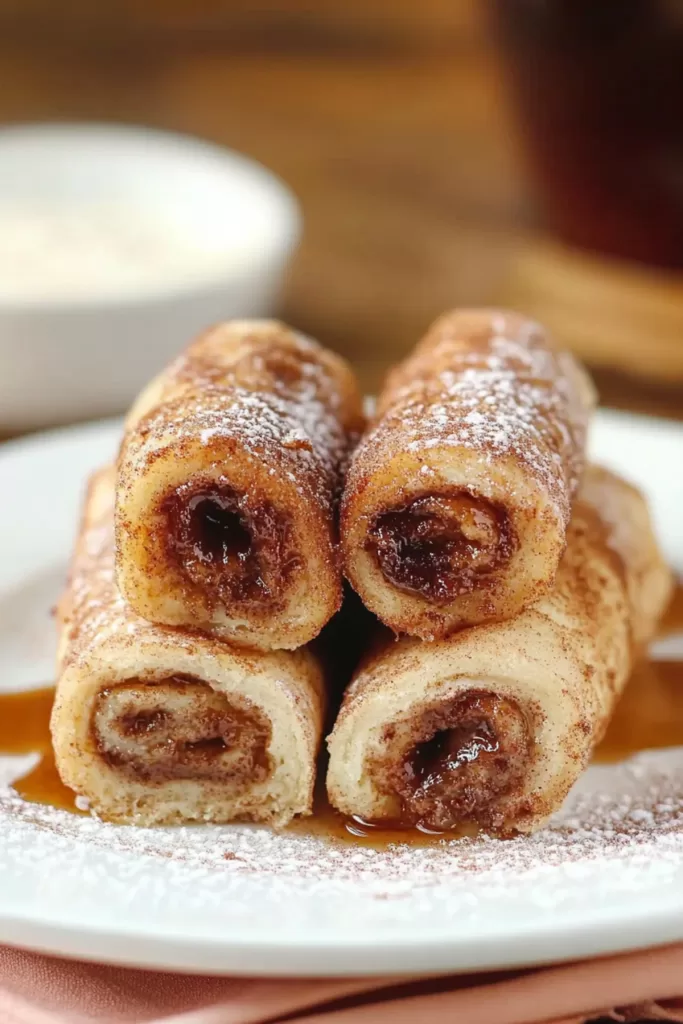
(492, 384)
(621, 827)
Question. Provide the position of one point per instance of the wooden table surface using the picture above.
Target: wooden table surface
(392, 128)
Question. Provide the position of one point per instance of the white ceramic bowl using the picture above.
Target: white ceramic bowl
(69, 351)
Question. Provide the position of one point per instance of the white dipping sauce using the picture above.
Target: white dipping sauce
(75, 249)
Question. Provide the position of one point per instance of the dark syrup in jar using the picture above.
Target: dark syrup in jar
(598, 87)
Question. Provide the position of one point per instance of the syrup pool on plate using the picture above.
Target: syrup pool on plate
(25, 729)
(648, 716)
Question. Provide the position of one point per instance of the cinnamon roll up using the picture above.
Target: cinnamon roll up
(493, 726)
(228, 480)
(458, 497)
(154, 725)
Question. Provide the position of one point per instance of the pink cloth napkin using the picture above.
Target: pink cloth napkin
(37, 989)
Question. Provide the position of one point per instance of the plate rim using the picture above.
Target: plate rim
(643, 925)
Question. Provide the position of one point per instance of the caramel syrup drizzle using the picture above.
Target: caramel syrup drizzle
(25, 729)
(649, 715)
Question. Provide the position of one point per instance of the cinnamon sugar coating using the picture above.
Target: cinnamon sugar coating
(463, 757)
(483, 428)
(495, 724)
(158, 725)
(228, 481)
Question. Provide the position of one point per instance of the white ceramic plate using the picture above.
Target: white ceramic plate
(607, 875)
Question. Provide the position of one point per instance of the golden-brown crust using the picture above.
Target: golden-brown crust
(486, 409)
(261, 356)
(253, 409)
(241, 728)
(563, 663)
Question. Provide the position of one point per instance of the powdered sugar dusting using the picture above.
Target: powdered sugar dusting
(276, 394)
(621, 827)
(267, 418)
(492, 383)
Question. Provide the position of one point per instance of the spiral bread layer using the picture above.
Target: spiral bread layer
(458, 497)
(228, 480)
(494, 725)
(155, 725)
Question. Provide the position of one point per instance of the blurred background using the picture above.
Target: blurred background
(443, 152)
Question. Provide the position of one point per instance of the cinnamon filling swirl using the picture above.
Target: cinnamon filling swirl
(235, 550)
(462, 759)
(441, 545)
(179, 728)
